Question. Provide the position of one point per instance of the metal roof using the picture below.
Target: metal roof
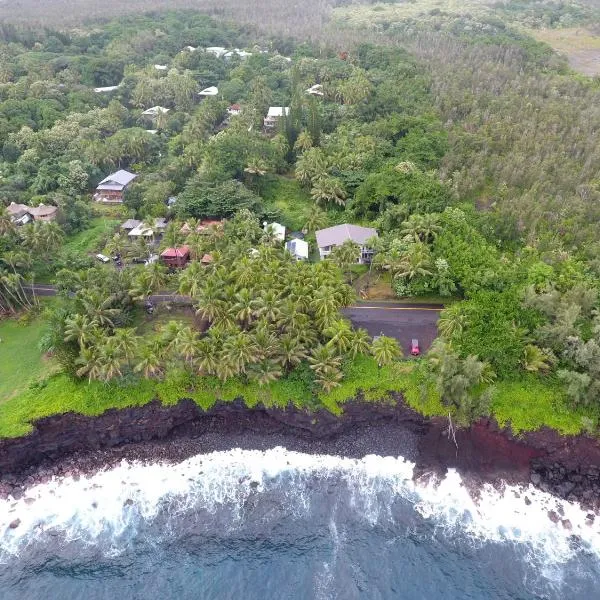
(117, 180)
(338, 234)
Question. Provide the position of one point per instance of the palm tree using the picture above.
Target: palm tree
(149, 363)
(452, 322)
(6, 224)
(186, 343)
(172, 236)
(386, 350)
(535, 359)
(310, 166)
(340, 335)
(191, 280)
(303, 142)
(324, 359)
(346, 255)
(79, 328)
(98, 308)
(268, 306)
(239, 351)
(109, 359)
(317, 219)
(90, 362)
(255, 168)
(421, 228)
(329, 379)
(415, 262)
(207, 357)
(117, 244)
(52, 235)
(126, 342)
(324, 303)
(360, 343)
(266, 371)
(210, 302)
(328, 190)
(291, 351)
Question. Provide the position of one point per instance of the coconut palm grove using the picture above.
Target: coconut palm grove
(188, 207)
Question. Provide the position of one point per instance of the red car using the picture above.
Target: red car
(414, 348)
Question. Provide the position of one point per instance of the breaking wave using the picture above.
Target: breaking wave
(252, 494)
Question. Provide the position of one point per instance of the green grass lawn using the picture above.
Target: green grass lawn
(287, 195)
(20, 359)
(92, 239)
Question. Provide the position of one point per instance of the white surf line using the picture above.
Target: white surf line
(112, 502)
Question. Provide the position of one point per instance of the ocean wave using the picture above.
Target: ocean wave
(110, 508)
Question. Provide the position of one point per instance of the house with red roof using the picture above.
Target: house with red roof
(176, 258)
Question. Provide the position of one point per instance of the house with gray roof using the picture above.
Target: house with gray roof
(328, 239)
(111, 189)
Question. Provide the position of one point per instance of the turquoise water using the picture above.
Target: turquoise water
(279, 524)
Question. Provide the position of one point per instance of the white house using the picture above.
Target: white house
(218, 51)
(298, 249)
(241, 53)
(274, 114)
(315, 90)
(189, 49)
(142, 229)
(328, 239)
(234, 109)
(209, 91)
(161, 67)
(155, 111)
(277, 229)
(108, 88)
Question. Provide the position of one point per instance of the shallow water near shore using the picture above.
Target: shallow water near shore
(282, 524)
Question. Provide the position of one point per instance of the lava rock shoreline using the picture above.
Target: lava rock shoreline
(74, 444)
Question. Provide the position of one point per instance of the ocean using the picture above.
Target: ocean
(276, 524)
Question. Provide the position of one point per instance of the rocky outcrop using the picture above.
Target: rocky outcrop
(568, 466)
(57, 436)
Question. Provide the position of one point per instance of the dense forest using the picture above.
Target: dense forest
(470, 147)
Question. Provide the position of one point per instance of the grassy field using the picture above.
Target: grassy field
(92, 239)
(580, 45)
(20, 359)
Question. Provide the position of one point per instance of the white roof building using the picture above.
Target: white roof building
(277, 229)
(109, 88)
(237, 52)
(189, 49)
(155, 110)
(209, 91)
(218, 51)
(117, 181)
(161, 67)
(275, 113)
(298, 249)
(142, 230)
(278, 111)
(315, 90)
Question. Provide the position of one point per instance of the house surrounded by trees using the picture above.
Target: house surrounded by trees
(328, 239)
(111, 189)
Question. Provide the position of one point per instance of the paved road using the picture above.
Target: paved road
(401, 321)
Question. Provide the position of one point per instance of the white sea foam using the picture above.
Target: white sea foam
(112, 504)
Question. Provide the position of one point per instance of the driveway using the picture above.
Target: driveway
(400, 321)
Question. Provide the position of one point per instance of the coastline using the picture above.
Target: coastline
(72, 444)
